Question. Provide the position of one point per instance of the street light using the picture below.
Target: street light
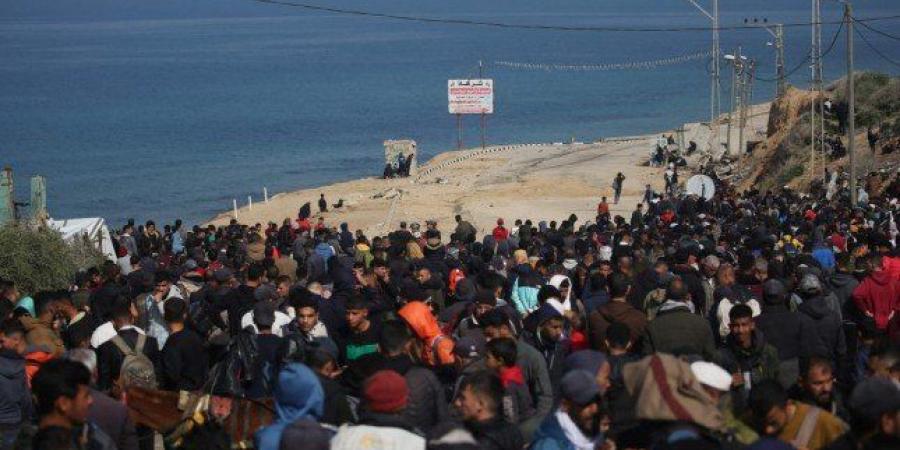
(777, 32)
(714, 103)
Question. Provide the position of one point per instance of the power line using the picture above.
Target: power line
(648, 65)
(802, 64)
(356, 12)
(872, 47)
(875, 30)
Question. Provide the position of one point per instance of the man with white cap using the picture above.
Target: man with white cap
(716, 381)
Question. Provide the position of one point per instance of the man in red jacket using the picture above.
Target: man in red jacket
(878, 296)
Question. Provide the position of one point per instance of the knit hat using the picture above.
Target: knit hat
(385, 392)
(579, 387)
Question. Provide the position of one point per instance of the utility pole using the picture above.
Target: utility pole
(738, 98)
(714, 91)
(779, 60)
(817, 120)
(481, 76)
(745, 100)
(851, 99)
(778, 42)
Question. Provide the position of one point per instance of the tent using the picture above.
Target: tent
(92, 227)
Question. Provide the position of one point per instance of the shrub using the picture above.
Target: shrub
(38, 258)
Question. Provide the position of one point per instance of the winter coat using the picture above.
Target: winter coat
(426, 405)
(496, 434)
(537, 378)
(793, 334)
(112, 417)
(15, 398)
(842, 286)
(678, 331)
(550, 436)
(554, 355)
(878, 296)
(437, 349)
(525, 289)
(40, 334)
(615, 311)
(298, 395)
(691, 278)
(760, 360)
(517, 404)
(828, 327)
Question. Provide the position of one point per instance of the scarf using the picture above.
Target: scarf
(573, 434)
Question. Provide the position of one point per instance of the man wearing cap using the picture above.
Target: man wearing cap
(469, 352)
(479, 404)
(381, 421)
(268, 346)
(470, 326)
(574, 424)
(716, 381)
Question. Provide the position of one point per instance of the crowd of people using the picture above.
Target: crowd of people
(753, 320)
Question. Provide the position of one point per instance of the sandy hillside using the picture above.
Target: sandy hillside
(540, 182)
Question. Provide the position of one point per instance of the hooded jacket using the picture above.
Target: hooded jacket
(793, 334)
(678, 331)
(40, 334)
(298, 395)
(525, 289)
(828, 327)
(878, 296)
(842, 286)
(15, 398)
(437, 349)
(616, 311)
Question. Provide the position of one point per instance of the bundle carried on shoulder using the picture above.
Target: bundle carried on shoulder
(665, 389)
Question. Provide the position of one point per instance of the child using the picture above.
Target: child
(501, 360)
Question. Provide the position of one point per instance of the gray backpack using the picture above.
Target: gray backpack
(137, 369)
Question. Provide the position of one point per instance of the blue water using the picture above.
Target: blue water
(170, 111)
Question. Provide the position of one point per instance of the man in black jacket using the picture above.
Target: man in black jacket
(184, 359)
(110, 357)
(15, 400)
(426, 406)
(792, 334)
(479, 403)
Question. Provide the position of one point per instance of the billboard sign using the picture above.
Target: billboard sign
(471, 96)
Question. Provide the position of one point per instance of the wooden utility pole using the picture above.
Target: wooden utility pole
(851, 100)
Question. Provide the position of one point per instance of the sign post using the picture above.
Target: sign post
(470, 97)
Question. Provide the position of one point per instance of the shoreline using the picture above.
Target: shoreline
(538, 181)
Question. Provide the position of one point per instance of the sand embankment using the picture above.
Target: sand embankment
(540, 182)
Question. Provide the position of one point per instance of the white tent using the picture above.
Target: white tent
(93, 227)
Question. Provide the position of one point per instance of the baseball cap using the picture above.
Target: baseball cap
(469, 347)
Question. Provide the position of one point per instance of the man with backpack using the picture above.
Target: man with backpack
(130, 358)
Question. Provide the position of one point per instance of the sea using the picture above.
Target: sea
(173, 109)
